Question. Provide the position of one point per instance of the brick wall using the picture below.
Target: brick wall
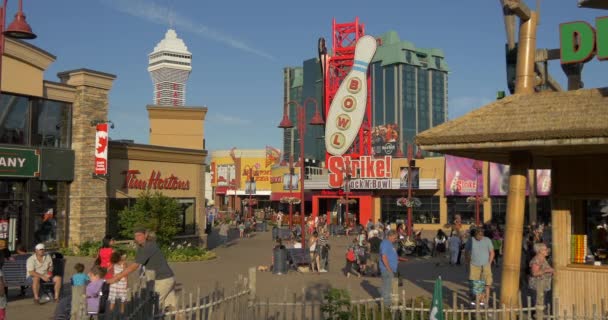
(88, 194)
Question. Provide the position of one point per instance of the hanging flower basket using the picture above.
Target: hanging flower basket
(349, 201)
(291, 200)
(410, 203)
(248, 202)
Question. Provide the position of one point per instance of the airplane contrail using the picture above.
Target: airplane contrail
(159, 14)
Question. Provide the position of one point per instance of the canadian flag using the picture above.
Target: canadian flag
(101, 149)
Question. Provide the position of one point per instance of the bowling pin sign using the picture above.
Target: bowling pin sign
(347, 109)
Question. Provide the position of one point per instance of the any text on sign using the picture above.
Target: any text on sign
(367, 172)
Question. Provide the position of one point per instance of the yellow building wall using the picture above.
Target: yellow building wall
(178, 127)
(260, 172)
(277, 175)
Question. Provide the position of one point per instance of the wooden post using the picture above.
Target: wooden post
(526, 54)
(394, 292)
(252, 284)
(516, 202)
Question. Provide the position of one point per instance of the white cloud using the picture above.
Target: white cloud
(219, 118)
(158, 14)
(461, 105)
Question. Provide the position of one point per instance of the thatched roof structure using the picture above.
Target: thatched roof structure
(546, 124)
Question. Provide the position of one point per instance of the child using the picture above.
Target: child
(351, 262)
(79, 282)
(118, 290)
(93, 290)
(241, 229)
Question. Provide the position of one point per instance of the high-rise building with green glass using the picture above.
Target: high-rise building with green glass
(409, 88)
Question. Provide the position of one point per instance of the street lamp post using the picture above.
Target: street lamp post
(288, 124)
(291, 171)
(347, 177)
(410, 159)
(477, 165)
(18, 29)
(250, 203)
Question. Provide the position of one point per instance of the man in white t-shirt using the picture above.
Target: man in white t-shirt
(40, 270)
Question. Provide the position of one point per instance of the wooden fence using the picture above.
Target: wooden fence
(242, 303)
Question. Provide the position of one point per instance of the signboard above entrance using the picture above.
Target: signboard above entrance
(19, 162)
(365, 173)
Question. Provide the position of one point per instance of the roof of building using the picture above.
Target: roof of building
(559, 123)
(392, 51)
(171, 43)
(595, 4)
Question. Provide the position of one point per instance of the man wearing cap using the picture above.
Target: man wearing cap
(149, 255)
(39, 268)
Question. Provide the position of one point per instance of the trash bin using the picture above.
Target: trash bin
(280, 261)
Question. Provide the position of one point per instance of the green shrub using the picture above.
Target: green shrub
(156, 212)
(336, 304)
(183, 252)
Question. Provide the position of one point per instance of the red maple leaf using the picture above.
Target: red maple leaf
(102, 144)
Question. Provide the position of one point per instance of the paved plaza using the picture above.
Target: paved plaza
(239, 255)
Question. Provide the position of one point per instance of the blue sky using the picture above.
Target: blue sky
(240, 48)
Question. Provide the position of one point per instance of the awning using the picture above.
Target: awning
(221, 190)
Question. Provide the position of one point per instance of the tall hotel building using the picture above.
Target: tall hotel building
(169, 65)
(409, 88)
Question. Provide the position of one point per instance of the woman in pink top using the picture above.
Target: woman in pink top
(104, 255)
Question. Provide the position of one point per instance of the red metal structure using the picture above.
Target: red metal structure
(344, 39)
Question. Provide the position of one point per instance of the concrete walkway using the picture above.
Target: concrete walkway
(239, 255)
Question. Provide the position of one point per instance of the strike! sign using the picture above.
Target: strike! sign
(101, 149)
(364, 168)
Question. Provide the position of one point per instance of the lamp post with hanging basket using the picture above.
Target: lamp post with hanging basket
(286, 123)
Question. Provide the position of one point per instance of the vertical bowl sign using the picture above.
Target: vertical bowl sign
(347, 109)
(101, 149)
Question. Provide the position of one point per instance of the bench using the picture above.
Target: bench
(298, 256)
(15, 271)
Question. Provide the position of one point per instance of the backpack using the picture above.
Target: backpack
(350, 255)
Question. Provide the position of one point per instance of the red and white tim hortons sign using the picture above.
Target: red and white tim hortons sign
(347, 109)
(366, 172)
(101, 149)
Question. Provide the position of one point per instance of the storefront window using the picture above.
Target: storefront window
(43, 210)
(12, 195)
(187, 214)
(459, 205)
(14, 111)
(428, 212)
(590, 233)
(51, 124)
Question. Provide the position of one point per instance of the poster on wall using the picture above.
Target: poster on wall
(461, 177)
(295, 181)
(403, 178)
(225, 174)
(101, 149)
(499, 179)
(543, 182)
(385, 140)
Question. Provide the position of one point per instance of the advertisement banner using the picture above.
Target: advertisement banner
(101, 149)
(403, 178)
(461, 178)
(365, 173)
(279, 179)
(273, 156)
(499, 179)
(543, 182)
(226, 174)
(385, 140)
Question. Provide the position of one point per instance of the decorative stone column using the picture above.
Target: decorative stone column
(88, 194)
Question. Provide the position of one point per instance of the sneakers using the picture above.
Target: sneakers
(323, 270)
